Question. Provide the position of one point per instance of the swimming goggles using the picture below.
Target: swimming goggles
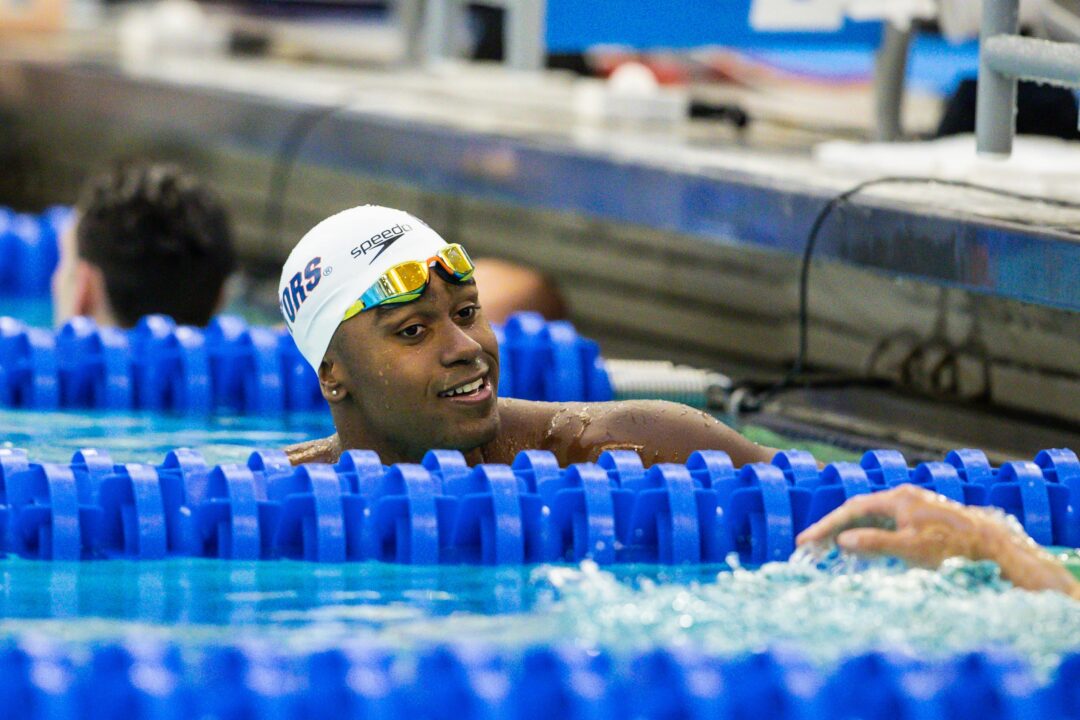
(407, 281)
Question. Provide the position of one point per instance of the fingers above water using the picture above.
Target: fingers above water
(879, 510)
(874, 541)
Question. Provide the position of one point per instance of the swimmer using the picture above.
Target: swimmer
(924, 529)
(136, 226)
(511, 288)
(392, 319)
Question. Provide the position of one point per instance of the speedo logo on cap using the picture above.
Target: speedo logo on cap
(380, 242)
(300, 284)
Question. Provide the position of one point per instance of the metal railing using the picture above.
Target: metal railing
(1004, 58)
(890, 76)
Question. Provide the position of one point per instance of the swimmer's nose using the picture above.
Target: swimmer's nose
(459, 346)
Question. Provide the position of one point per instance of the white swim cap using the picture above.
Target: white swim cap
(337, 261)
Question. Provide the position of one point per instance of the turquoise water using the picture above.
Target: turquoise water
(824, 612)
(146, 437)
(34, 311)
(38, 311)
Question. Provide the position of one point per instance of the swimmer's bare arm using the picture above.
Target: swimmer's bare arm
(324, 450)
(930, 528)
(578, 432)
(659, 431)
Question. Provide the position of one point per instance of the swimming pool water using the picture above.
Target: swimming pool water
(38, 311)
(146, 437)
(821, 611)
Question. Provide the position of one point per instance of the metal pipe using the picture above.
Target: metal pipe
(442, 19)
(995, 111)
(526, 45)
(1038, 60)
(410, 16)
(890, 70)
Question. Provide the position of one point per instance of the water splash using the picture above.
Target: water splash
(825, 605)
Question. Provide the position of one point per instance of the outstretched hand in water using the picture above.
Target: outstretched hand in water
(924, 529)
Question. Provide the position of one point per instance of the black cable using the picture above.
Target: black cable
(754, 401)
(285, 162)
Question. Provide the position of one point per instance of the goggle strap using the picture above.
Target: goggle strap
(355, 309)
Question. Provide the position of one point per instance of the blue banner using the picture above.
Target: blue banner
(575, 25)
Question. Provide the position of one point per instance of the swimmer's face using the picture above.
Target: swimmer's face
(402, 369)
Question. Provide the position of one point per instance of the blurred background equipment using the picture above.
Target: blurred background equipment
(32, 15)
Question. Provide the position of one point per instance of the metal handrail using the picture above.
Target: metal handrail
(890, 71)
(1005, 57)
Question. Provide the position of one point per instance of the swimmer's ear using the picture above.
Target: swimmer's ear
(89, 297)
(333, 390)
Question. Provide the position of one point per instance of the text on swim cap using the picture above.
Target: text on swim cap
(382, 241)
(295, 293)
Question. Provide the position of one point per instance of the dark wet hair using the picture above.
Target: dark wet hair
(161, 238)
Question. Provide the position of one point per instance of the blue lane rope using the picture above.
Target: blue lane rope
(231, 367)
(158, 680)
(443, 511)
(28, 244)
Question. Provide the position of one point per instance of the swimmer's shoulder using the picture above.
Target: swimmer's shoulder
(523, 425)
(526, 416)
(573, 431)
(521, 420)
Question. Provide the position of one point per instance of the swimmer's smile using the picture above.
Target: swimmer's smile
(470, 392)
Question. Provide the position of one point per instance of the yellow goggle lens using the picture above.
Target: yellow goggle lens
(404, 277)
(406, 281)
(456, 259)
